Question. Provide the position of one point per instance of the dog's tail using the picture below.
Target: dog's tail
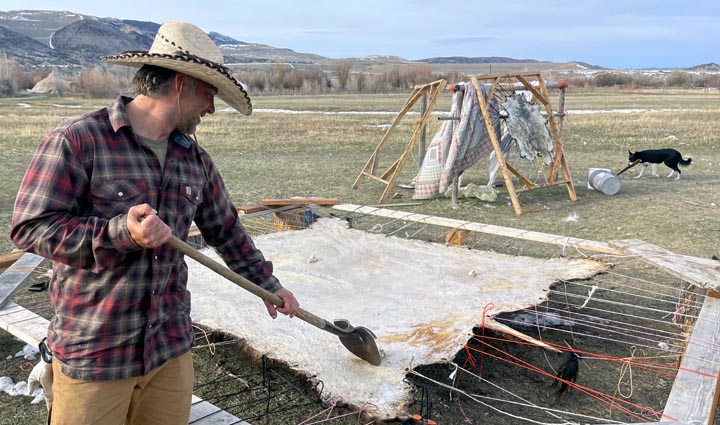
(685, 162)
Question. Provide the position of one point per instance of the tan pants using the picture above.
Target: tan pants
(162, 397)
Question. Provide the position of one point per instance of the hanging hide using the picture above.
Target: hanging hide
(526, 125)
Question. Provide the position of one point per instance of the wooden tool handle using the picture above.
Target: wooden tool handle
(230, 275)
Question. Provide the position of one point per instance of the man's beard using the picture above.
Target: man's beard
(189, 125)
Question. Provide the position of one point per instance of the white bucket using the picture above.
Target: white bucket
(601, 179)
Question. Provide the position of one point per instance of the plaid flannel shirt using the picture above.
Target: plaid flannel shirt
(120, 310)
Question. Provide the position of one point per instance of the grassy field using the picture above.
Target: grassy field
(320, 149)
(271, 154)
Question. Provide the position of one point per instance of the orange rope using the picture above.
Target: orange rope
(598, 395)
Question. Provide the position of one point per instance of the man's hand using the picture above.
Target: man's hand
(146, 228)
(42, 375)
(290, 304)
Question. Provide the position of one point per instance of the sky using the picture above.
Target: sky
(621, 34)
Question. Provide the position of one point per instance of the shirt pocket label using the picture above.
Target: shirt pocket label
(189, 198)
(190, 193)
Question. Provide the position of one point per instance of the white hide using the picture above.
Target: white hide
(421, 300)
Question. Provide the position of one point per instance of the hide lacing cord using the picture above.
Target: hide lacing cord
(478, 399)
(468, 359)
(468, 352)
(650, 287)
(527, 402)
(652, 296)
(333, 403)
(486, 310)
(209, 345)
(635, 335)
(365, 408)
(643, 363)
(680, 310)
(595, 394)
(273, 390)
(539, 332)
(214, 345)
(471, 360)
(626, 369)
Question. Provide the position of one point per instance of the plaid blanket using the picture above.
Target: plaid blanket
(456, 146)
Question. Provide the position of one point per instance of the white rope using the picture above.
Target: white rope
(599, 323)
(590, 294)
(476, 398)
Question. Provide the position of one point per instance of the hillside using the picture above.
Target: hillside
(39, 39)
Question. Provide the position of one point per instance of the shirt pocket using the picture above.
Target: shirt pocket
(189, 198)
(115, 197)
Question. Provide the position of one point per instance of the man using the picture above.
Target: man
(102, 196)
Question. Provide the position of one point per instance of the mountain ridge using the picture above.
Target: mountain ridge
(69, 39)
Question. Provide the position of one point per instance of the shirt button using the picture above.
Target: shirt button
(149, 326)
(156, 258)
(120, 194)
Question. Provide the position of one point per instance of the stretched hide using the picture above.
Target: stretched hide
(421, 299)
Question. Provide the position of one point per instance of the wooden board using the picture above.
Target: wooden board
(300, 201)
(483, 228)
(694, 392)
(204, 413)
(702, 272)
(23, 323)
(12, 278)
(251, 209)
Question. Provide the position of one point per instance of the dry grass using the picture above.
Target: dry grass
(309, 154)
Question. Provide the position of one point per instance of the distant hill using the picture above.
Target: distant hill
(66, 39)
(27, 50)
(484, 59)
(86, 40)
(707, 67)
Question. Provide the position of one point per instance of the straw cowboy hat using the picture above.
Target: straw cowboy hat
(185, 48)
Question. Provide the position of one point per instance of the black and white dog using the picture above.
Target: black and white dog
(669, 157)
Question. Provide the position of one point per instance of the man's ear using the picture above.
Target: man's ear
(179, 82)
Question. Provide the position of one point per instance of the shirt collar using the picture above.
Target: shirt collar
(117, 113)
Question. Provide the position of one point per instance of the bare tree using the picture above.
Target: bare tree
(8, 68)
(342, 69)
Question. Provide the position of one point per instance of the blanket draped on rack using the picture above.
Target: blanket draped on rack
(457, 145)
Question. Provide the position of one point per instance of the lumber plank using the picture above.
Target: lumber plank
(204, 413)
(482, 228)
(312, 200)
(698, 271)
(23, 323)
(15, 275)
(694, 393)
(250, 209)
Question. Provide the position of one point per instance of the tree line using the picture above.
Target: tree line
(107, 81)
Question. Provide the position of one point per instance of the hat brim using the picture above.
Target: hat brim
(229, 89)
